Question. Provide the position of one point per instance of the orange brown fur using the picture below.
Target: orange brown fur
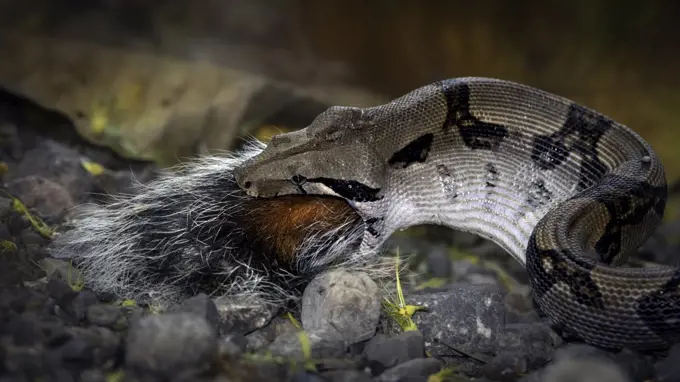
(281, 223)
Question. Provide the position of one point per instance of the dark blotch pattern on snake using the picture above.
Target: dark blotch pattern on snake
(566, 191)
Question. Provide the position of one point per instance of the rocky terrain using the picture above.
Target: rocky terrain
(476, 322)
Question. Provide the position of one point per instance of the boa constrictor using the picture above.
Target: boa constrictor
(565, 190)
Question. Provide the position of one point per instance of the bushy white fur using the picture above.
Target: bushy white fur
(153, 245)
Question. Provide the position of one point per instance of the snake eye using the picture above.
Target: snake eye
(247, 184)
(298, 179)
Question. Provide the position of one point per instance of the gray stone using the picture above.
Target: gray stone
(105, 315)
(342, 305)
(79, 305)
(347, 376)
(526, 345)
(5, 206)
(304, 376)
(61, 270)
(49, 199)
(171, 345)
(467, 317)
(243, 315)
(668, 369)
(203, 306)
(93, 375)
(232, 345)
(289, 345)
(580, 351)
(259, 339)
(633, 365)
(507, 366)
(584, 363)
(584, 370)
(262, 337)
(383, 352)
(439, 263)
(519, 305)
(415, 370)
(101, 344)
(57, 163)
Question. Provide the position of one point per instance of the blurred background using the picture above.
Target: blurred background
(162, 80)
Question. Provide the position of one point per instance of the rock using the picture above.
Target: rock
(232, 345)
(634, 365)
(171, 345)
(438, 262)
(5, 206)
(348, 361)
(78, 306)
(584, 363)
(104, 343)
(93, 375)
(580, 351)
(32, 240)
(520, 306)
(16, 223)
(259, 339)
(57, 164)
(262, 337)
(304, 376)
(383, 352)
(11, 145)
(50, 200)
(203, 306)
(341, 305)
(347, 376)
(19, 300)
(60, 291)
(290, 345)
(584, 370)
(76, 353)
(243, 315)
(5, 234)
(467, 317)
(414, 370)
(22, 360)
(54, 332)
(668, 370)
(521, 347)
(637, 366)
(60, 270)
(107, 315)
(506, 366)
(23, 331)
(662, 247)
(465, 269)
(61, 374)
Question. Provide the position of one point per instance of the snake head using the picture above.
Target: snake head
(324, 158)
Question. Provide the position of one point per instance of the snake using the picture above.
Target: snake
(567, 191)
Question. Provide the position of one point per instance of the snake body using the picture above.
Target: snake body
(567, 191)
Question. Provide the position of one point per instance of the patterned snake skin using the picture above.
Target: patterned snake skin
(566, 191)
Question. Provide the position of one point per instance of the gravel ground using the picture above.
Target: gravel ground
(479, 323)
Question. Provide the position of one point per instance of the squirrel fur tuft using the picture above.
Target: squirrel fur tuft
(193, 230)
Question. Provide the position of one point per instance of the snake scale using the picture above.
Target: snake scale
(567, 191)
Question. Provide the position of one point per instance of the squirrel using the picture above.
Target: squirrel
(193, 230)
